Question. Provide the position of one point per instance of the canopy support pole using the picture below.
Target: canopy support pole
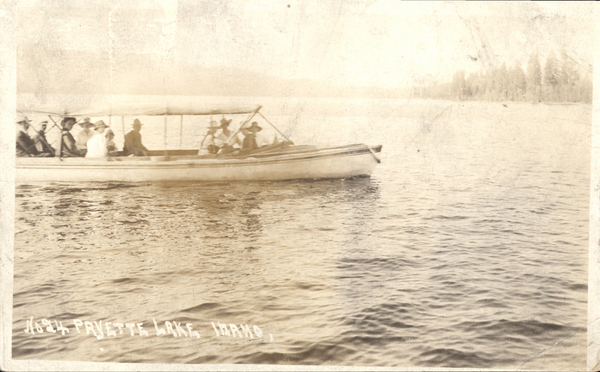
(123, 125)
(165, 135)
(180, 131)
(55, 123)
(59, 150)
(274, 126)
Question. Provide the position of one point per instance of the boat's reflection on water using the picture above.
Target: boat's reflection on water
(258, 253)
(183, 213)
(243, 213)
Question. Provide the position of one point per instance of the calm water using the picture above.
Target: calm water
(466, 248)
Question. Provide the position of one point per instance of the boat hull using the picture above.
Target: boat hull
(339, 162)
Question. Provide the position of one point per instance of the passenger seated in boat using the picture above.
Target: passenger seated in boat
(97, 146)
(68, 148)
(225, 133)
(41, 143)
(254, 140)
(133, 141)
(226, 136)
(25, 145)
(110, 144)
(208, 144)
(251, 137)
(85, 134)
(226, 139)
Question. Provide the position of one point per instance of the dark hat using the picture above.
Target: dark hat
(254, 127)
(137, 122)
(24, 120)
(225, 122)
(213, 125)
(67, 119)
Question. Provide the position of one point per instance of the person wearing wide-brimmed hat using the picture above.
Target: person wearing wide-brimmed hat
(85, 134)
(250, 132)
(208, 144)
(226, 139)
(68, 147)
(97, 146)
(224, 123)
(25, 145)
(133, 141)
(225, 133)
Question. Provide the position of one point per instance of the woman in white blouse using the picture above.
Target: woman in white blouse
(97, 145)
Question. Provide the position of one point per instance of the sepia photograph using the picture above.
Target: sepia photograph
(218, 184)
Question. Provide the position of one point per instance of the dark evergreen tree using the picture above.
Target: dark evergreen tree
(551, 78)
(534, 78)
(458, 85)
(561, 82)
(517, 83)
(568, 79)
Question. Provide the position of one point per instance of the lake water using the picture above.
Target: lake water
(467, 247)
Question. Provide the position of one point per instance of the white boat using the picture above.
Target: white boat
(284, 161)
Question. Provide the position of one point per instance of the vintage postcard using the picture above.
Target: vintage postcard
(239, 185)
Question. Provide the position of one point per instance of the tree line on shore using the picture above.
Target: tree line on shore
(560, 80)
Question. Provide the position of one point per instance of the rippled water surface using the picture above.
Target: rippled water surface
(466, 248)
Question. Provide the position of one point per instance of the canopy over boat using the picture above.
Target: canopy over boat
(95, 106)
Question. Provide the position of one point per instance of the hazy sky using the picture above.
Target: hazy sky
(342, 42)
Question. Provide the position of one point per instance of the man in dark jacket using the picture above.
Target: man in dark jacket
(133, 141)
